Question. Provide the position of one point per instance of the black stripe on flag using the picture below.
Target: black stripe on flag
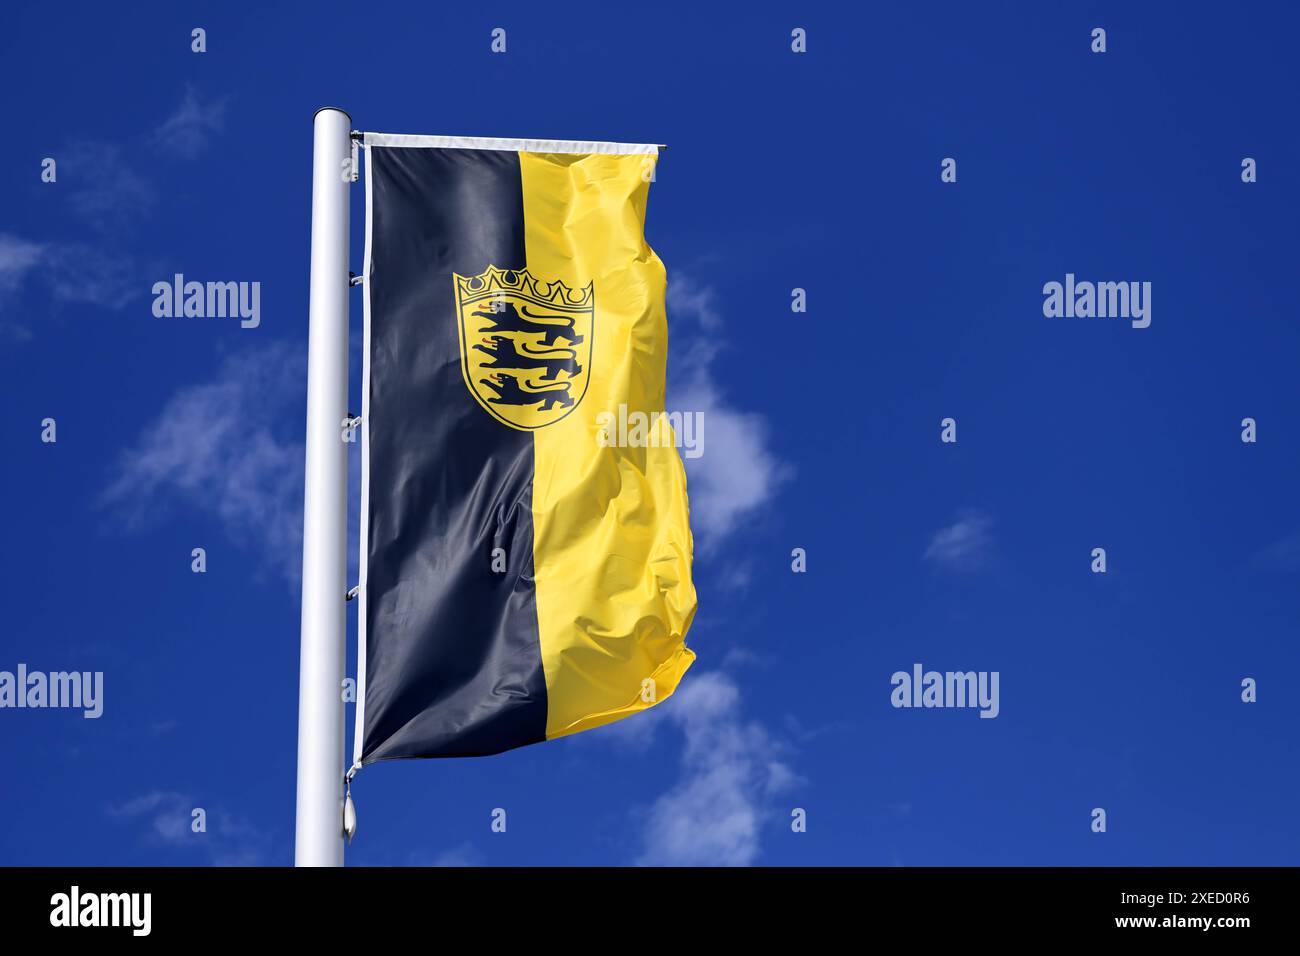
(453, 664)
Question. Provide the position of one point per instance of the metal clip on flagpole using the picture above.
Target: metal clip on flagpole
(349, 808)
(322, 805)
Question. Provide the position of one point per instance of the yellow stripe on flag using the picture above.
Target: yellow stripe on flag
(611, 538)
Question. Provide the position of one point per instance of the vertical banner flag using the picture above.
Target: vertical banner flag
(523, 576)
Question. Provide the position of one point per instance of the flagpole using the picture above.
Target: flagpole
(319, 829)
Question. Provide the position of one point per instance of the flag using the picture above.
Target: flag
(522, 576)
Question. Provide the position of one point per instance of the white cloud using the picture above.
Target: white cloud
(738, 472)
(81, 273)
(105, 190)
(18, 257)
(169, 816)
(232, 448)
(74, 271)
(463, 854)
(166, 812)
(187, 131)
(1282, 556)
(713, 815)
(966, 545)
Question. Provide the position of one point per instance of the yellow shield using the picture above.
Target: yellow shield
(525, 344)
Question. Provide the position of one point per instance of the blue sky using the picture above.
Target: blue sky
(818, 171)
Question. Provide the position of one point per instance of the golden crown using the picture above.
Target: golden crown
(521, 282)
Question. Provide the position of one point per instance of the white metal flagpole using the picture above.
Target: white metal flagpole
(319, 833)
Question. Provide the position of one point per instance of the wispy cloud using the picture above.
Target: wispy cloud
(96, 275)
(187, 131)
(230, 447)
(463, 854)
(966, 545)
(169, 819)
(18, 258)
(105, 189)
(731, 770)
(111, 198)
(166, 812)
(73, 271)
(738, 472)
(1282, 556)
